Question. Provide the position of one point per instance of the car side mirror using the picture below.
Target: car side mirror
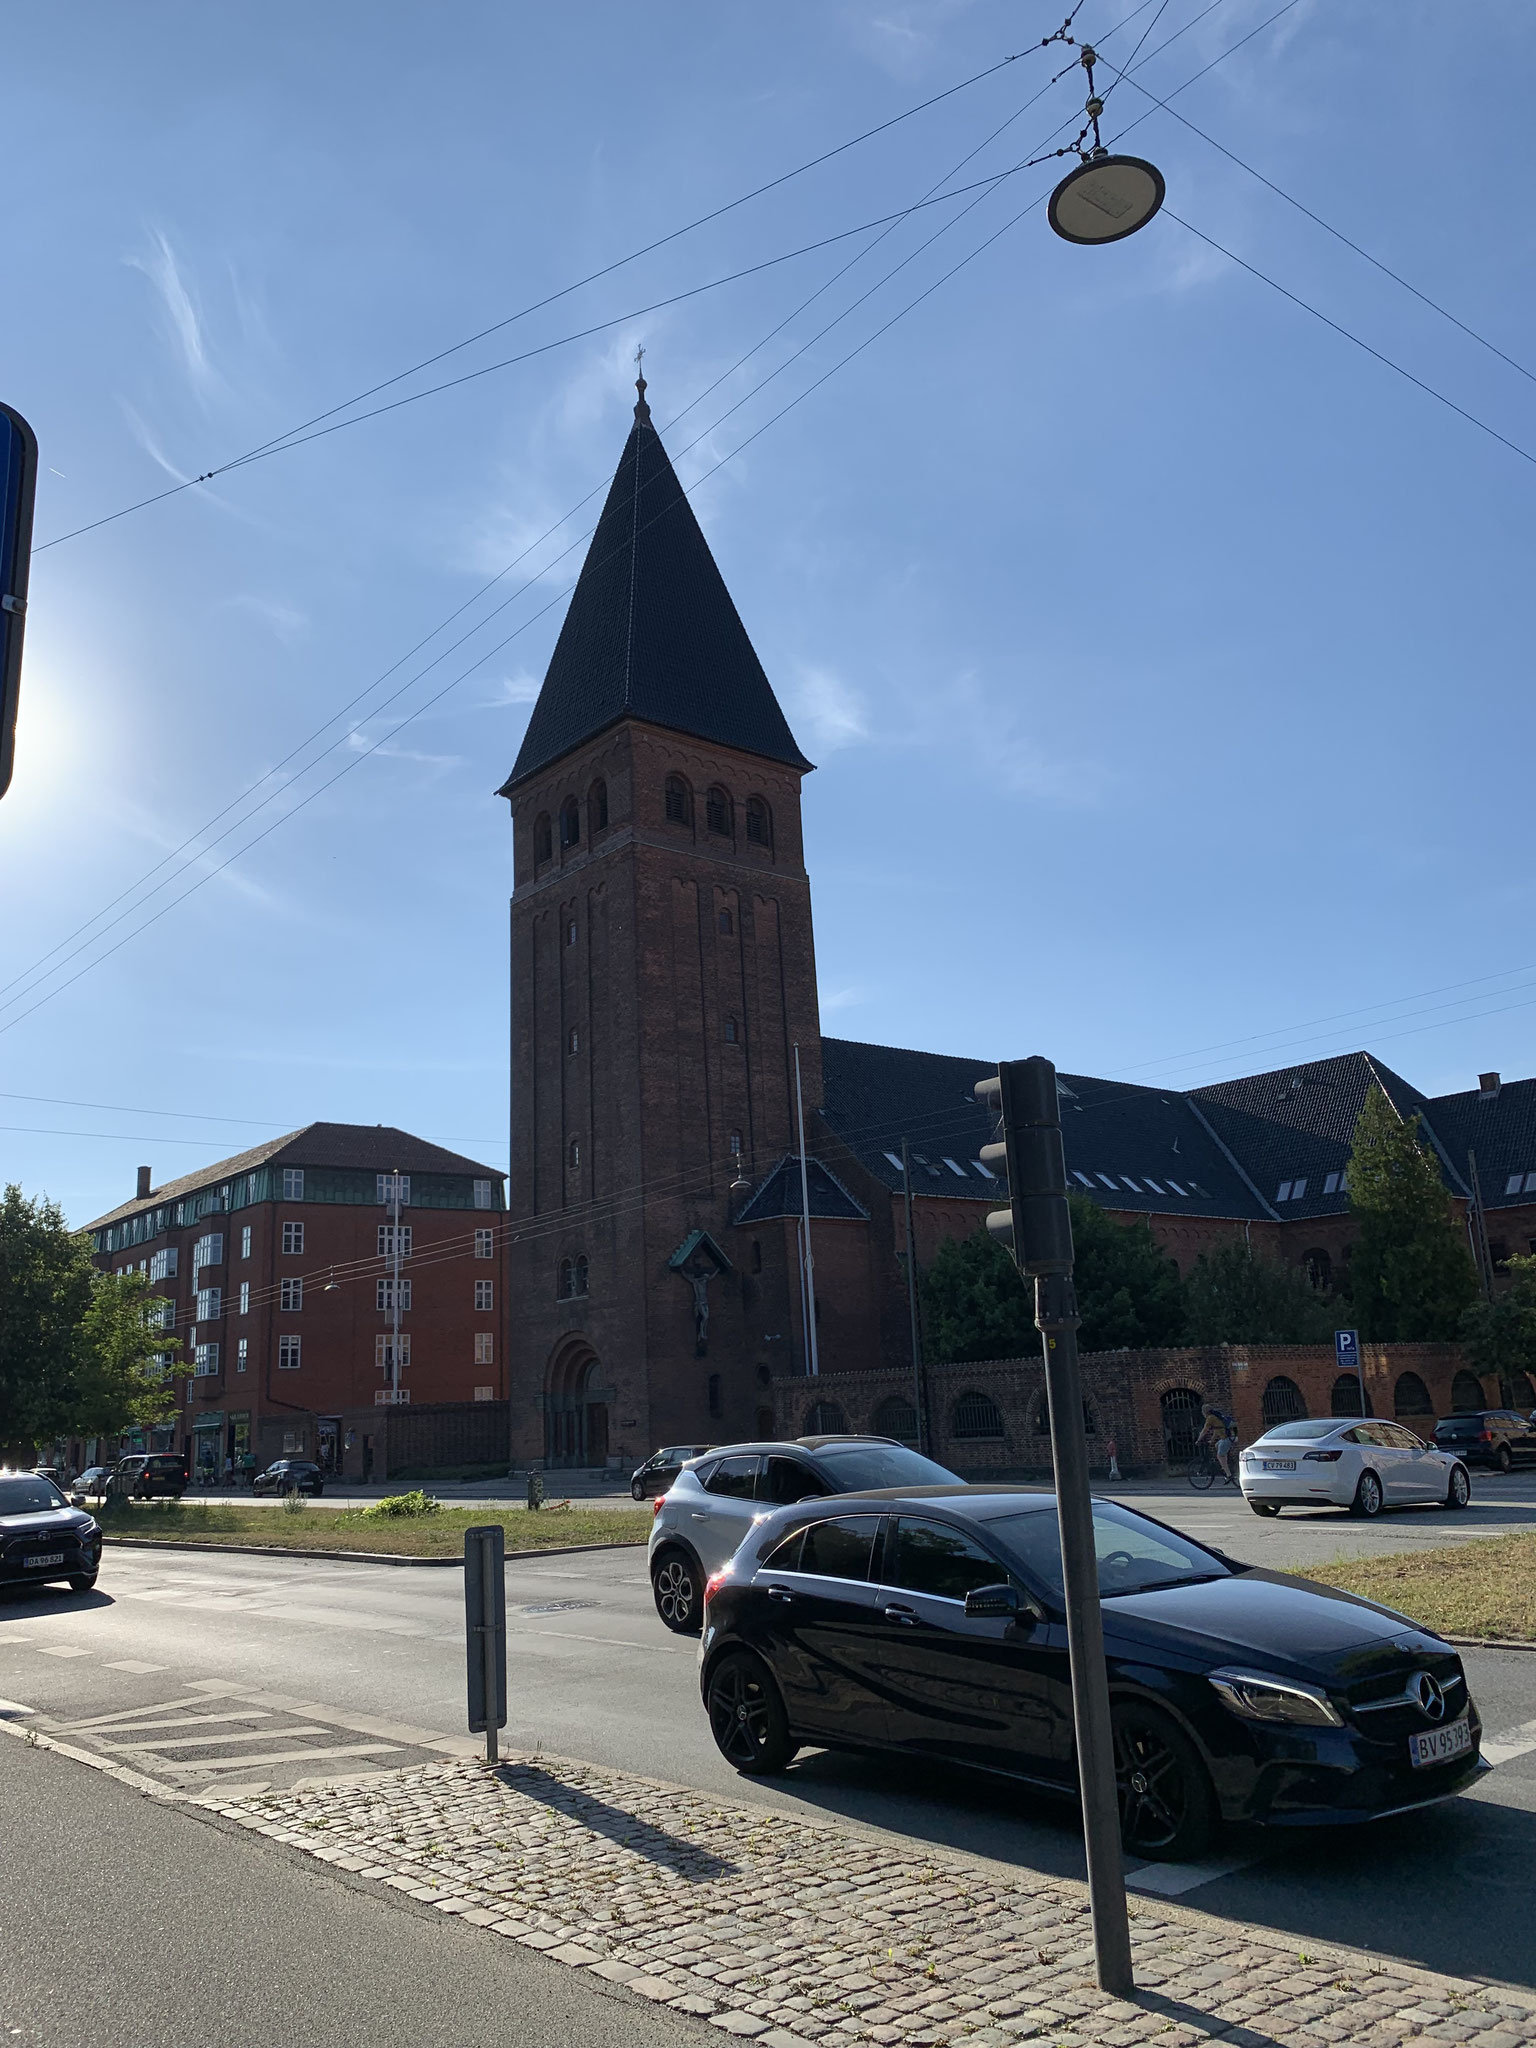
(992, 1603)
(77, 1500)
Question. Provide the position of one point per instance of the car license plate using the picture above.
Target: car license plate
(53, 1557)
(1440, 1744)
(1279, 1464)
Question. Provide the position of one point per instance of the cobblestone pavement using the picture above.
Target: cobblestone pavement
(792, 1932)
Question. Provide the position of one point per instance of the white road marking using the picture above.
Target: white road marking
(64, 1650)
(133, 1664)
(9, 1641)
(1511, 1742)
(1171, 1880)
(9, 1707)
(280, 1756)
(135, 1726)
(569, 1635)
(225, 1735)
(131, 1714)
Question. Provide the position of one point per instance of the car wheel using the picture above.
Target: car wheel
(678, 1593)
(637, 1491)
(1167, 1807)
(747, 1717)
(1369, 1498)
(1267, 1508)
(81, 1582)
(1502, 1459)
(1458, 1491)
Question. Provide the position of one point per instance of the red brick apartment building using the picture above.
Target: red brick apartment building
(663, 985)
(278, 1271)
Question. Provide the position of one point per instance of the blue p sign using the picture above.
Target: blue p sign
(1346, 1349)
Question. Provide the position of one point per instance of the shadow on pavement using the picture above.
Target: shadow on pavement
(684, 1859)
(41, 1601)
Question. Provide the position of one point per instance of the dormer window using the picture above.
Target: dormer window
(759, 824)
(570, 823)
(717, 810)
(543, 839)
(679, 801)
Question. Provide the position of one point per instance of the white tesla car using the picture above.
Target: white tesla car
(1359, 1465)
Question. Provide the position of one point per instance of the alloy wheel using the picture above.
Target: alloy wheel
(1152, 1782)
(739, 1714)
(675, 1595)
(1368, 1495)
(1460, 1489)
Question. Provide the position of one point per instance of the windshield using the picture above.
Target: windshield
(858, 1466)
(29, 1496)
(1459, 1425)
(1134, 1554)
(1303, 1430)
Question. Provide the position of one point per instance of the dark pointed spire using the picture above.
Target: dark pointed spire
(651, 632)
(642, 410)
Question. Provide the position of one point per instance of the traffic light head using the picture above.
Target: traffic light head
(1027, 1156)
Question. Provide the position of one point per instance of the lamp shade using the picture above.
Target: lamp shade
(1106, 199)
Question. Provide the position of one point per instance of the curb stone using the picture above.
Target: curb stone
(349, 1556)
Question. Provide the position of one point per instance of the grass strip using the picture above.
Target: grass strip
(1483, 1589)
(326, 1528)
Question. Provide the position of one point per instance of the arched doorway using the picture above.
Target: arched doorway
(575, 1408)
(1182, 1423)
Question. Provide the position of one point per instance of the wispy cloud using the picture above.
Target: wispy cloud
(144, 434)
(825, 710)
(284, 621)
(840, 999)
(183, 316)
(440, 764)
(522, 688)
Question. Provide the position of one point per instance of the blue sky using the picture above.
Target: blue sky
(1166, 657)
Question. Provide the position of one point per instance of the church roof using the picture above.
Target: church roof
(651, 632)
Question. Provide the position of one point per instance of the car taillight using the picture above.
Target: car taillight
(715, 1579)
(657, 1505)
(1485, 1436)
(1321, 1457)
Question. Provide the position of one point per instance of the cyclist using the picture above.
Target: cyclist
(1219, 1436)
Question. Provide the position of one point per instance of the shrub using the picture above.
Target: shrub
(417, 1503)
(294, 1502)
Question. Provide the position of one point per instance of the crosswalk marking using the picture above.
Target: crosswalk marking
(132, 1664)
(137, 1727)
(1169, 1880)
(280, 1756)
(1510, 1743)
(197, 1699)
(63, 1650)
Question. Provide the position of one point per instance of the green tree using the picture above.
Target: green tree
(976, 1303)
(1501, 1334)
(78, 1353)
(1411, 1277)
(1236, 1296)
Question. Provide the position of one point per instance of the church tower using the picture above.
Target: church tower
(663, 972)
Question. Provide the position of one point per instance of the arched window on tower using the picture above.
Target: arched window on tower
(717, 810)
(759, 822)
(580, 1273)
(727, 921)
(735, 1144)
(1319, 1269)
(570, 822)
(679, 801)
(543, 840)
(597, 808)
(732, 1031)
(573, 1152)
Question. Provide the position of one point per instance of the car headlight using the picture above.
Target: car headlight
(1255, 1697)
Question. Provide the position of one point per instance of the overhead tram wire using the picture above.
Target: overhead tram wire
(887, 223)
(987, 185)
(553, 298)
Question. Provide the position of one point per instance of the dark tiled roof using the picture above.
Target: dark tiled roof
(651, 632)
(1136, 1146)
(1298, 1123)
(373, 1148)
(779, 1194)
(1500, 1129)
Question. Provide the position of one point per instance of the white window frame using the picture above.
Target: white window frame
(242, 1354)
(381, 1347)
(210, 1304)
(385, 1191)
(245, 1300)
(485, 1297)
(485, 1244)
(386, 1240)
(483, 1187)
(293, 1240)
(485, 1347)
(245, 1240)
(289, 1353)
(381, 1297)
(293, 1183)
(205, 1361)
(290, 1296)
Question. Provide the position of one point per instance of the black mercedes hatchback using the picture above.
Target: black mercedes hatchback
(930, 1625)
(42, 1537)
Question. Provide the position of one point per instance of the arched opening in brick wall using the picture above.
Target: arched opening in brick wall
(1467, 1394)
(575, 1407)
(1283, 1402)
(1319, 1269)
(766, 1427)
(1042, 1421)
(896, 1416)
(1182, 1423)
(976, 1416)
(1346, 1395)
(1410, 1396)
(1521, 1392)
(825, 1418)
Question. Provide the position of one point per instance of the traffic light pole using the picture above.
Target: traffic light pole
(1038, 1226)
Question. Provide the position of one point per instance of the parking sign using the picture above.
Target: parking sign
(1346, 1349)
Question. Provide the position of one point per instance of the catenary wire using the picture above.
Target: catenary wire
(988, 185)
(538, 305)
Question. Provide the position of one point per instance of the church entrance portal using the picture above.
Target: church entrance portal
(575, 1409)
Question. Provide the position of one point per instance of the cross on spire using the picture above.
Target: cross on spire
(642, 410)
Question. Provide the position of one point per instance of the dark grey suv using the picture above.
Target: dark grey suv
(1499, 1437)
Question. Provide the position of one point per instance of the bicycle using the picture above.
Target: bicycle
(1205, 1469)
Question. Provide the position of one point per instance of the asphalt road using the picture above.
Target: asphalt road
(131, 1921)
(314, 1668)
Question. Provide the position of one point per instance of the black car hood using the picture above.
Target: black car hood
(44, 1519)
(1263, 1617)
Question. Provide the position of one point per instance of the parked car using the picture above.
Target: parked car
(1498, 1437)
(148, 1475)
(92, 1483)
(661, 1468)
(290, 1475)
(1362, 1466)
(930, 1625)
(42, 1537)
(713, 1502)
(55, 1473)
